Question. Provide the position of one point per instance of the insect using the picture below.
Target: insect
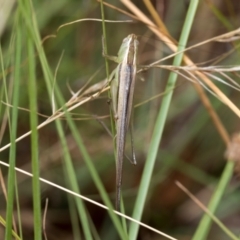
(122, 90)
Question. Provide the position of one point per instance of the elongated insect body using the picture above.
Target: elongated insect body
(122, 89)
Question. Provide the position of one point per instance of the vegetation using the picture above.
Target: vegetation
(56, 120)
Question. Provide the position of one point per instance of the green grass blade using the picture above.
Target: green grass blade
(18, 210)
(74, 218)
(105, 37)
(71, 176)
(206, 221)
(220, 16)
(159, 126)
(13, 130)
(3, 223)
(36, 188)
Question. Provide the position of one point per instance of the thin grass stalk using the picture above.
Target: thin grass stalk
(9, 91)
(32, 91)
(93, 229)
(206, 221)
(8, 85)
(5, 91)
(18, 212)
(180, 143)
(159, 126)
(107, 66)
(206, 210)
(32, 25)
(219, 15)
(74, 218)
(13, 128)
(71, 178)
(2, 92)
(109, 95)
(104, 37)
(3, 223)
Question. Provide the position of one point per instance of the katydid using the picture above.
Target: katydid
(122, 89)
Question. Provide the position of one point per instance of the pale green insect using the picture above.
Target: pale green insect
(122, 89)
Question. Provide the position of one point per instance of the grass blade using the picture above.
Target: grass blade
(206, 221)
(13, 129)
(36, 188)
(159, 126)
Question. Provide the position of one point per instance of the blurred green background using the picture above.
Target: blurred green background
(191, 150)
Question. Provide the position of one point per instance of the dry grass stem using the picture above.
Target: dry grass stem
(91, 201)
(222, 131)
